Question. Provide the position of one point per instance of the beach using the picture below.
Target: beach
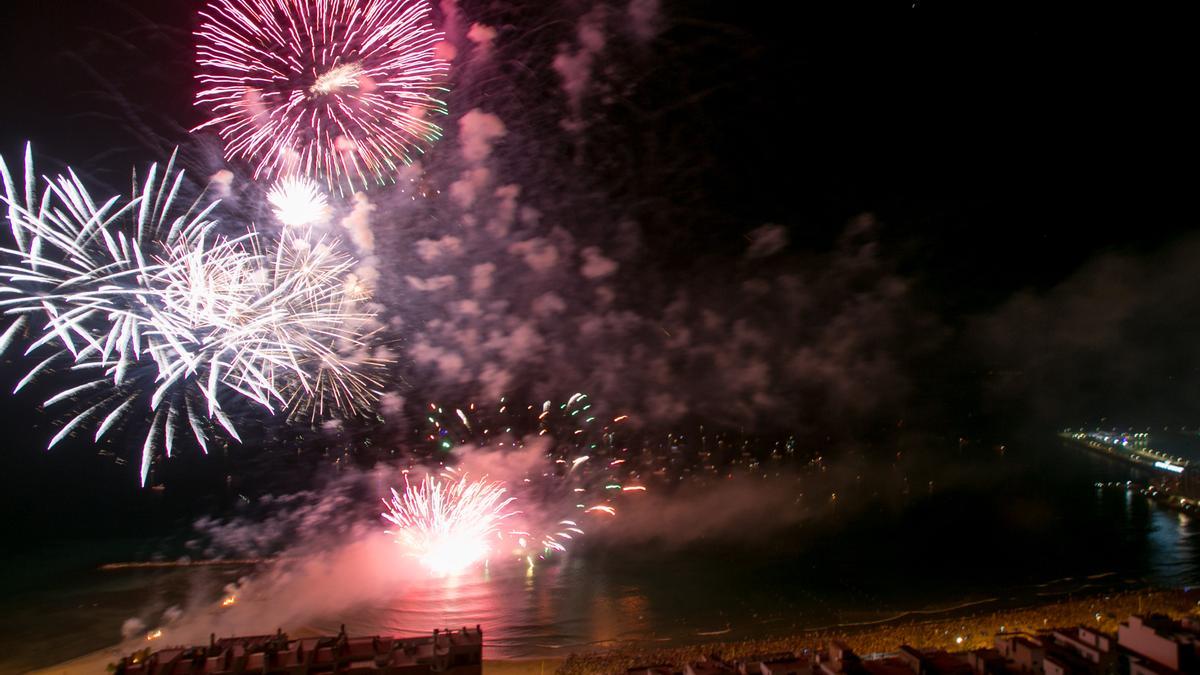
(967, 628)
(963, 631)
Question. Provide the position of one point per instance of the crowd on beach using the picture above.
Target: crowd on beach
(956, 634)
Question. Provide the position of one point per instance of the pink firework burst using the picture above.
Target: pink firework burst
(342, 89)
(446, 523)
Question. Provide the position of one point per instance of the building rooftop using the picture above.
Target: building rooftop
(709, 667)
(1026, 641)
(1165, 626)
(782, 665)
(657, 669)
(887, 666)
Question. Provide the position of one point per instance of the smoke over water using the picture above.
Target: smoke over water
(326, 560)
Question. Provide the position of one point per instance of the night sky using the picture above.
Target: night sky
(1027, 175)
(981, 137)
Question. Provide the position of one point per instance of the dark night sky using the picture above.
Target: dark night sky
(984, 138)
(1002, 148)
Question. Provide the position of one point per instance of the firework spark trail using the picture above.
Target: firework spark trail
(335, 88)
(145, 299)
(538, 485)
(446, 523)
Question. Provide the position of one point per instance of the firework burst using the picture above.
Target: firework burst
(342, 89)
(298, 202)
(145, 302)
(448, 522)
(573, 480)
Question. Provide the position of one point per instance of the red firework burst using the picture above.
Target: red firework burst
(342, 89)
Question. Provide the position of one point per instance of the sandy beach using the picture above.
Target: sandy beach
(971, 628)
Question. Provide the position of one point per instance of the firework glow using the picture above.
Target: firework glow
(447, 523)
(298, 202)
(145, 302)
(550, 476)
(342, 89)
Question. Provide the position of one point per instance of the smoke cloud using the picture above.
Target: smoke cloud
(530, 309)
(1114, 340)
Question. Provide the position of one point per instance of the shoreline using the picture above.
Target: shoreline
(958, 631)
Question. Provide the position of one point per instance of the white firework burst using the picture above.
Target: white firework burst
(154, 307)
(298, 202)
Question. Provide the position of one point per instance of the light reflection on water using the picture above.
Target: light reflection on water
(558, 608)
(582, 601)
(523, 611)
(1173, 542)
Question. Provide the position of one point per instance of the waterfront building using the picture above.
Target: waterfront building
(987, 662)
(788, 664)
(1061, 660)
(932, 662)
(839, 659)
(710, 666)
(887, 665)
(1156, 642)
(1144, 645)
(1024, 651)
(1088, 643)
(660, 669)
(455, 652)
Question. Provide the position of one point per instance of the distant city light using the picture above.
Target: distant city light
(1173, 468)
